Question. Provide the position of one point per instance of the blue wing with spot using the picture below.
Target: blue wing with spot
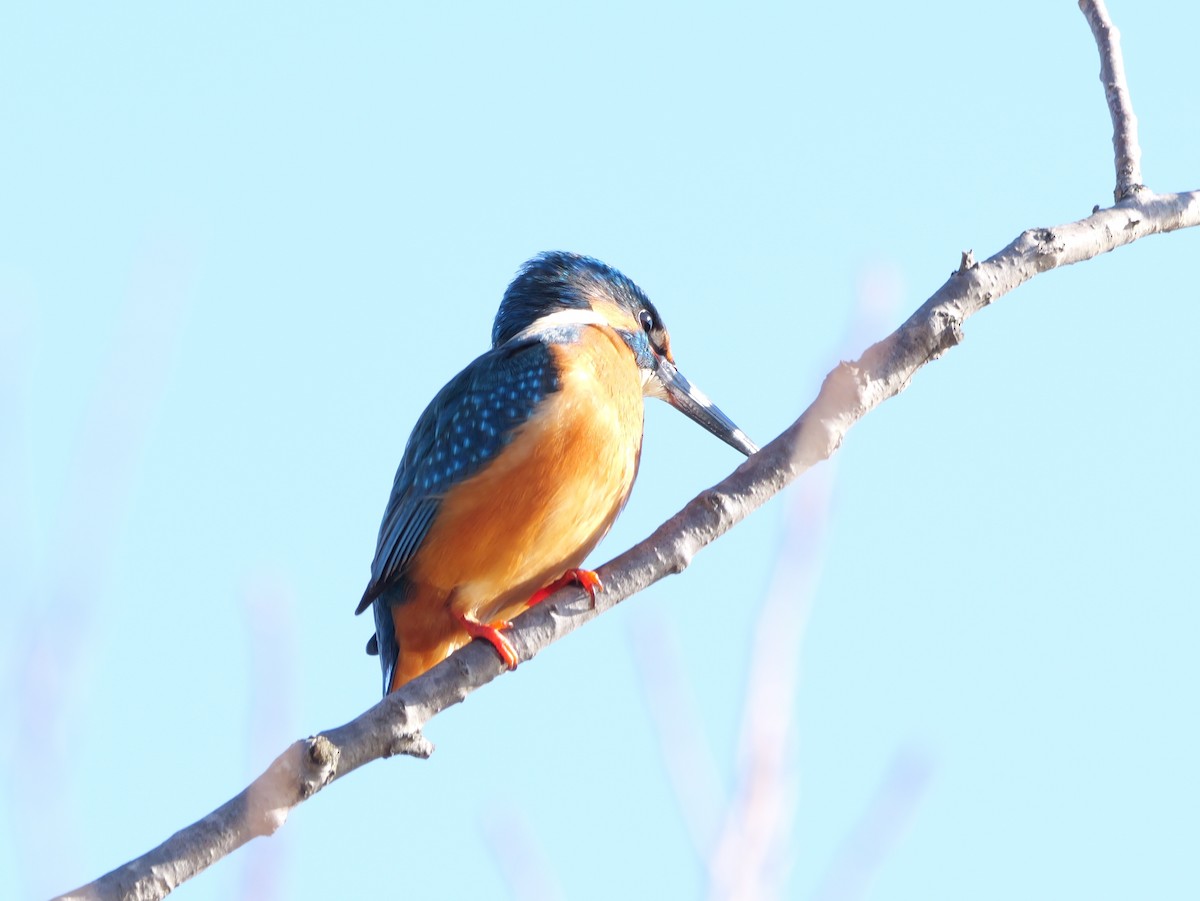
(467, 424)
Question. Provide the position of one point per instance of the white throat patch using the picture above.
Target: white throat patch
(552, 321)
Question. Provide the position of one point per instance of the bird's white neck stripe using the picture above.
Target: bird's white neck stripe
(556, 320)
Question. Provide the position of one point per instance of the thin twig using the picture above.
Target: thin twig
(1116, 90)
(120, 411)
(879, 827)
(523, 863)
(678, 721)
(755, 849)
(751, 852)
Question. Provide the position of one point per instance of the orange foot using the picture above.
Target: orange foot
(585, 578)
(493, 634)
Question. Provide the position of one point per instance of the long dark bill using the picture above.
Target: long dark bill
(693, 403)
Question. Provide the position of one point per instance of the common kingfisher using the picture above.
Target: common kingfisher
(519, 466)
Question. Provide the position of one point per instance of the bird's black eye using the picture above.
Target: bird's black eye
(646, 320)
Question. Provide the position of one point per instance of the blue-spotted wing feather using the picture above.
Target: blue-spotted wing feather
(467, 424)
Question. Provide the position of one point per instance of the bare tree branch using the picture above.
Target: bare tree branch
(1128, 155)
(750, 858)
(881, 824)
(848, 393)
(753, 853)
(687, 758)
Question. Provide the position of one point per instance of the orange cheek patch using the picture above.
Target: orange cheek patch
(614, 314)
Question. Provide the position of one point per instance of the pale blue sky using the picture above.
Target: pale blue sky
(242, 248)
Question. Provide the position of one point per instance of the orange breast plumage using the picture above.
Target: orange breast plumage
(532, 511)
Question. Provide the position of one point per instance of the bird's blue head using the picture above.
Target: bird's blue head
(556, 281)
(565, 290)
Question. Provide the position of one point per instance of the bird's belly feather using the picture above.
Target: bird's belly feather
(537, 510)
